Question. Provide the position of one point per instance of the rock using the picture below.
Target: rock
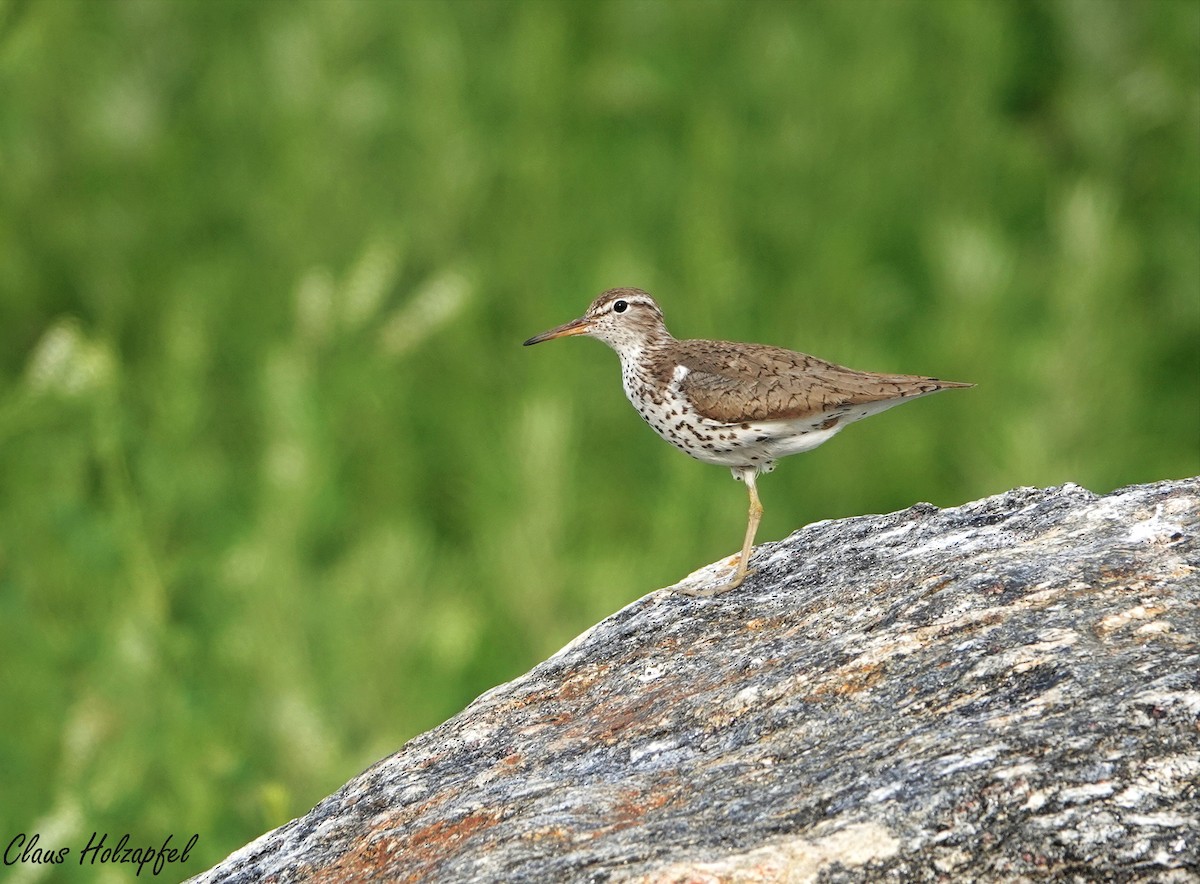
(1007, 690)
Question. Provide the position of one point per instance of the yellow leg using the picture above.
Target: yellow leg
(749, 476)
(756, 511)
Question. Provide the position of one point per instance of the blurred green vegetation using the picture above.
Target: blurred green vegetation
(280, 488)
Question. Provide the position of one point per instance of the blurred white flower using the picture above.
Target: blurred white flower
(67, 362)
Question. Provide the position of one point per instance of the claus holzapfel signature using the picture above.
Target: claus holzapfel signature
(25, 849)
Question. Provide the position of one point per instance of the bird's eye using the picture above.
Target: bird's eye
(619, 306)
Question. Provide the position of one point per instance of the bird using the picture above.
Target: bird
(742, 406)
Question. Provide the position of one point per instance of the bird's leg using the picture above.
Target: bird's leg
(749, 477)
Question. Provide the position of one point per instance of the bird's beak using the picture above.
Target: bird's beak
(575, 327)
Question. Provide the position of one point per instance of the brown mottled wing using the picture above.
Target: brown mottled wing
(733, 383)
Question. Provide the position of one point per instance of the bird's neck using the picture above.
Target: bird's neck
(637, 353)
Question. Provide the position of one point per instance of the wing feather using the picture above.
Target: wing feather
(736, 383)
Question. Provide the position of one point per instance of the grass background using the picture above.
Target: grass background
(279, 487)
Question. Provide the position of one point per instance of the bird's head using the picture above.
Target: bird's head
(625, 319)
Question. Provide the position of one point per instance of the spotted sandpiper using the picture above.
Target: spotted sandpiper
(743, 406)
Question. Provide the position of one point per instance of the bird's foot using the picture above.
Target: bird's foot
(705, 592)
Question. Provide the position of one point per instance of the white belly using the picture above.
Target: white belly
(755, 444)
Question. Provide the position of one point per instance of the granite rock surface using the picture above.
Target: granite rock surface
(1007, 690)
